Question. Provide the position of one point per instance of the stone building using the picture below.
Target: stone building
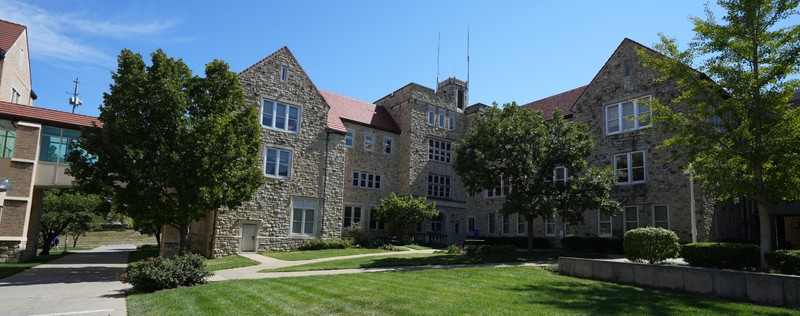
(15, 71)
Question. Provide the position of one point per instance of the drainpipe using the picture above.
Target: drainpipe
(324, 181)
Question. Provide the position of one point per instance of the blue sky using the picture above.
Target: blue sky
(519, 50)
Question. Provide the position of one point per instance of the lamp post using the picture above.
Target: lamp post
(690, 172)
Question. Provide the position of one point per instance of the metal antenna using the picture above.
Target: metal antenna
(73, 100)
(467, 56)
(438, 44)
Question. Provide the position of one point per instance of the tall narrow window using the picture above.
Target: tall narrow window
(369, 142)
(520, 224)
(441, 118)
(626, 68)
(8, 136)
(461, 99)
(387, 145)
(452, 121)
(549, 227)
(471, 225)
(352, 215)
(304, 216)
(560, 174)
(604, 227)
(374, 223)
(277, 163)
(15, 96)
(506, 224)
(661, 216)
(348, 139)
(491, 223)
(431, 116)
(284, 73)
(631, 214)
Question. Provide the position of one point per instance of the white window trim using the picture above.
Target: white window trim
(351, 136)
(524, 225)
(444, 156)
(653, 213)
(491, 223)
(371, 142)
(442, 186)
(375, 180)
(610, 224)
(625, 217)
(361, 214)
(277, 163)
(275, 117)
(555, 174)
(391, 147)
(503, 218)
(620, 116)
(566, 231)
(15, 95)
(552, 222)
(630, 167)
(431, 116)
(503, 190)
(302, 227)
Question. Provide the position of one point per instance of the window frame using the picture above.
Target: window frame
(491, 221)
(375, 224)
(15, 95)
(7, 132)
(442, 184)
(625, 221)
(388, 145)
(451, 123)
(287, 116)
(306, 202)
(629, 168)
(505, 227)
(277, 163)
(62, 150)
(548, 222)
(556, 174)
(443, 153)
(521, 223)
(600, 223)
(352, 216)
(619, 109)
(284, 73)
(348, 139)
(654, 221)
(493, 193)
(369, 142)
(431, 116)
(364, 180)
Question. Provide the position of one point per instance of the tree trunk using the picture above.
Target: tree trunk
(529, 229)
(75, 241)
(764, 227)
(46, 243)
(183, 230)
(158, 237)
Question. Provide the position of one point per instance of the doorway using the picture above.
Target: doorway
(248, 238)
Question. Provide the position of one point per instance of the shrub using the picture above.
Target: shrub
(651, 244)
(479, 250)
(389, 247)
(572, 242)
(454, 250)
(721, 255)
(784, 261)
(319, 244)
(519, 241)
(155, 274)
(593, 244)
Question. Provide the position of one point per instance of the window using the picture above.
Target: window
(387, 145)
(348, 139)
(631, 214)
(441, 119)
(15, 96)
(471, 225)
(570, 229)
(461, 99)
(629, 167)
(352, 215)
(604, 228)
(626, 68)
(452, 121)
(284, 73)
(627, 116)
(279, 116)
(55, 143)
(8, 135)
(491, 222)
(369, 142)
(374, 224)
(560, 174)
(366, 180)
(520, 224)
(506, 224)
(438, 186)
(549, 227)
(304, 216)
(439, 150)
(431, 116)
(661, 216)
(500, 190)
(277, 163)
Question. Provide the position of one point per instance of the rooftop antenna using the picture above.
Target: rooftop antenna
(438, 44)
(73, 100)
(467, 56)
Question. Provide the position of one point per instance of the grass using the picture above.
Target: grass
(107, 237)
(9, 269)
(317, 254)
(143, 252)
(417, 247)
(486, 291)
(426, 259)
(229, 262)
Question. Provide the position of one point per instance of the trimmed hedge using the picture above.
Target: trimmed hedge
(721, 255)
(593, 244)
(784, 261)
(319, 244)
(518, 241)
(153, 274)
(651, 244)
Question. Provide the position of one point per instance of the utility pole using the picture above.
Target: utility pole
(73, 100)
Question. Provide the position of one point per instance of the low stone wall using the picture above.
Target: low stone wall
(762, 288)
(10, 251)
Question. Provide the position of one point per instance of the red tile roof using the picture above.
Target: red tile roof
(45, 116)
(563, 100)
(9, 33)
(355, 111)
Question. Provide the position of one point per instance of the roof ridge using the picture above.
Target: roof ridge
(22, 25)
(263, 59)
(51, 110)
(344, 96)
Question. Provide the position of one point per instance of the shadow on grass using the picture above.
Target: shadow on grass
(500, 257)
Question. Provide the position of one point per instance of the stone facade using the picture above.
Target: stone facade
(15, 71)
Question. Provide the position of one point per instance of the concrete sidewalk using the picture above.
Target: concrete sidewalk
(83, 283)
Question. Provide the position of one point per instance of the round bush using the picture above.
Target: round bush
(721, 255)
(651, 244)
(154, 274)
(784, 261)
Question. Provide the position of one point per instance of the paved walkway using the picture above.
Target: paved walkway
(251, 272)
(83, 283)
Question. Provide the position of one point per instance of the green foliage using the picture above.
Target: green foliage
(733, 122)
(173, 146)
(318, 244)
(520, 148)
(155, 274)
(651, 244)
(389, 247)
(517, 241)
(63, 209)
(455, 250)
(481, 250)
(784, 261)
(721, 255)
(593, 244)
(403, 212)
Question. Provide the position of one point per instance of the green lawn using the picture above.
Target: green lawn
(483, 291)
(317, 254)
(229, 262)
(106, 237)
(8, 269)
(425, 259)
(143, 252)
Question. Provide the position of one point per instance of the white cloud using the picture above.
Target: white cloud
(62, 37)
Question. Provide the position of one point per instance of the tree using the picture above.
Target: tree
(147, 226)
(738, 129)
(403, 212)
(520, 149)
(173, 146)
(79, 228)
(62, 209)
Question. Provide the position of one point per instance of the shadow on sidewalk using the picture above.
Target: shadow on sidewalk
(62, 275)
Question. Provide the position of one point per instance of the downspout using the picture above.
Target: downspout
(325, 181)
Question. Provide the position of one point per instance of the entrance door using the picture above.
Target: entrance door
(248, 238)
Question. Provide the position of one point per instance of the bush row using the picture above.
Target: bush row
(153, 274)
(593, 244)
(784, 261)
(518, 241)
(721, 255)
(319, 244)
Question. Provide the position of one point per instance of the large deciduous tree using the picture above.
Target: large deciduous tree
(520, 149)
(173, 146)
(738, 131)
(62, 209)
(403, 212)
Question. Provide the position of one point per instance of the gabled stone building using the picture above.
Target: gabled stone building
(15, 70)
